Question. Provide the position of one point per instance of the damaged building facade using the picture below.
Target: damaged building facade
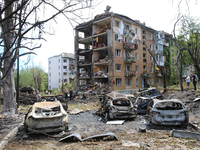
(115, 53)
(61, 69)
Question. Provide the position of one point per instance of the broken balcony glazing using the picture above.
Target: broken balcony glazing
(129, 59)
(130, 73)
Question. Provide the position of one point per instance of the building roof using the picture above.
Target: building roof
(104, 15)
(64, 55)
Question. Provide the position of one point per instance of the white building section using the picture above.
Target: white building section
(158, 47)
(61, 69)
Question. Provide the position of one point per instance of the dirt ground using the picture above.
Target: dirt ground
(87, 124)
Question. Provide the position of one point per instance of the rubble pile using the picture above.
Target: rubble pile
(102, 60)
(27, 99)
(93, 89)
(115, 95)
(30, 99)
(101, 74)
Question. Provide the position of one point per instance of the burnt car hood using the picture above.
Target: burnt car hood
(47, 117)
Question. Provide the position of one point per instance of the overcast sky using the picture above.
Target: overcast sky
(157, 14)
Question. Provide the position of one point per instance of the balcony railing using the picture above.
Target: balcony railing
(130, 46)
(129, 59)
(130, 73)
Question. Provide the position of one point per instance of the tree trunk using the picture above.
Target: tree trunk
(179, 74)
(9, 100)
(164, 82)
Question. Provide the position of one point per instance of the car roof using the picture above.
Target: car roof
(167, 100)
(47, 104)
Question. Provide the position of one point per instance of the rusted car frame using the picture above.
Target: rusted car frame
(46, 117)
(168, 112)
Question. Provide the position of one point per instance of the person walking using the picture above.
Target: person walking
(66, 95)
(195, 79)
(187, 80)
(39, 97)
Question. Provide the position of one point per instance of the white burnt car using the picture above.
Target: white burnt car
(46, 117)
(120, 107)
(168, 112)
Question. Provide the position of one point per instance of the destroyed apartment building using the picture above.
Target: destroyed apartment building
(112, 50)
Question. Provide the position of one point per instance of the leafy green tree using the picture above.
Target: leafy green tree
(187, 44)
(34, 77)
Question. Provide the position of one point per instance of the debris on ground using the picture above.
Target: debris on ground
(76, 111)
(130, 144)
(77, 137)
(185, 134)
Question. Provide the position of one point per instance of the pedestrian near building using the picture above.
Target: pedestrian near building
(39, 97)
(66, 95)
(195, 79)
(187, 80)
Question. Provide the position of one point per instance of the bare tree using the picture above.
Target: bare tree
(22, 26)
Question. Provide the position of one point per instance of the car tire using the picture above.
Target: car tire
(66, 128)
(25, 128)
(110, 115)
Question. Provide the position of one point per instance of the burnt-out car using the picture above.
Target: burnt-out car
(168, 112)
(150, 92)
(141, 104)
(119, 106)
(46, 117)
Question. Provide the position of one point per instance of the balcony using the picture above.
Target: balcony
(130, 73)
(129, 59)
(80, 51)
(145, 75)
(85, 40)
(130, 46)
(158, 74)
(72, 77)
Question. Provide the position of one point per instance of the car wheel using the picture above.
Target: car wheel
(66, 128)
(110, 115)
(25, 128)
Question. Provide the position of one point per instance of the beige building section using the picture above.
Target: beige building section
(120, 63)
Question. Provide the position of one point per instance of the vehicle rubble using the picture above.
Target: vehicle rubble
(168, 112)
(117, 106)
(46, 117)
(160, 111)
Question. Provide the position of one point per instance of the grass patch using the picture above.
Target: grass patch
(83, 106)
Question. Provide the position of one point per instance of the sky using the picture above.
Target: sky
(157, 14)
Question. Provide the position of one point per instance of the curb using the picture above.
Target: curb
(9, 136)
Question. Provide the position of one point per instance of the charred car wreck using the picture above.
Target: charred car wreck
(118, 106)
(144, 97)
(168, 112)
(46, 117)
